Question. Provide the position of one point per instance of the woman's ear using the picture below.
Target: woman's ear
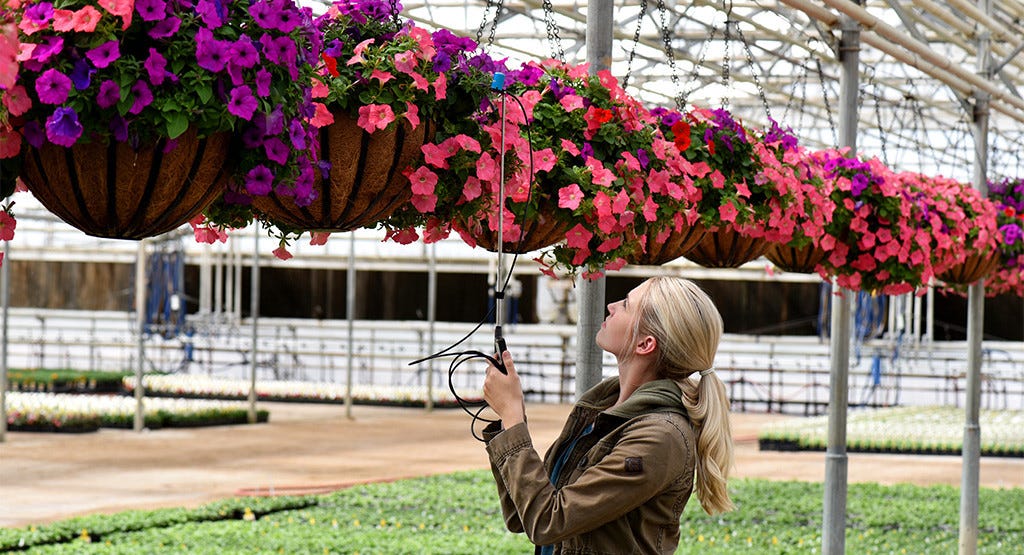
(647, 345)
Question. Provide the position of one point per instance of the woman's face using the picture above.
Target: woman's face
(616, 331)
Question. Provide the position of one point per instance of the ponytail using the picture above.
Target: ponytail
(707, 405)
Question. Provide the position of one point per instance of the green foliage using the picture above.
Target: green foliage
(64, 380)
(458, 513)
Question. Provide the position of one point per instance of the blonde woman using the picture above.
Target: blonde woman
(635, 446)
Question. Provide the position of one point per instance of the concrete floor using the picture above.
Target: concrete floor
(316, 448)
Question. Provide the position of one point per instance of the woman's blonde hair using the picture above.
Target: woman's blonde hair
(687, 326)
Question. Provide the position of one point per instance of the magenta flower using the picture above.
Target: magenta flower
(276, 150)
(297, 135)
(156, 66)
(259, 181)
(211, 54)
(165, 28)
(263, 79)
(108, 95)
(104, 54)
(211, 12)
(143, 97)
(265, 14)
(53, 87)
(40, 13)
(63, 128)
(280, 50)
(242, 103)
(47, 49)
(151, 10)
(243, 53)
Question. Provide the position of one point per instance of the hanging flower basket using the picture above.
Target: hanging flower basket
(976, 266)
(801, 260)
(665, 247)
(725, 248)
(366, 183)
(115, 191)
(536, 233)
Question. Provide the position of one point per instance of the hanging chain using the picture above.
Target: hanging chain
(636, 39)
(828, 105)
(494, 24)
(878, 116)
(552, 29)
(799, 84)
(753, 71)
(726, 63)
(670, 53)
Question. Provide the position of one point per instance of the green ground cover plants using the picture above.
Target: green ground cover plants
(62, 380)
(926, 430)
(458, 514)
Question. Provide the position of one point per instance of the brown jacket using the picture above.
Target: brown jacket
(621, 491)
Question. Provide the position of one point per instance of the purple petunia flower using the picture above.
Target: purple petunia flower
(263, 80)
(305, 194)
(81, 74)
(1011, 233)
(858, 183)
(280, 50)
(264, 13)
(641, 156)
(33, 133)
(166, 28)
(143, 97)
(274, 122)
(335, 48)
(47, 49)
(156, 66)
(109, 94)
(104, 54)
(211, 54)
(259, 181)
(151, 10)
(297, 135)
(587, 151)
(53, 87)
(252, 136)
(243, 53)
(560, 91)
(40, 13)
(324, 167)
(63, 127)
(119, 129)
(242, 103)
(212, 13)
(276, 150)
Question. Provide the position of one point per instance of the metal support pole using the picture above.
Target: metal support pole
(833, 536)
(140, 316)
(254, 314)
(432, 320)
(350, 313)
(5, 298)
(971, 454)
(589, 356)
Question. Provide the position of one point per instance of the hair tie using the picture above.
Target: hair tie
(706, 372)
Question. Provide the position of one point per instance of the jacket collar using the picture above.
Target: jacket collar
(654, 396)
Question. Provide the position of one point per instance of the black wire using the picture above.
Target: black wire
(462, 357)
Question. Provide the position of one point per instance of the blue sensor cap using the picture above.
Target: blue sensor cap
(498, 82)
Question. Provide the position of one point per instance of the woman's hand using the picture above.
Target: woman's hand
(504, 393)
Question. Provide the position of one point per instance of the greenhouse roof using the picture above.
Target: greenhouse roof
(919, 76)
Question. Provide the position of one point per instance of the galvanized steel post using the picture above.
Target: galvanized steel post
(833, 537)
(592, 292)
